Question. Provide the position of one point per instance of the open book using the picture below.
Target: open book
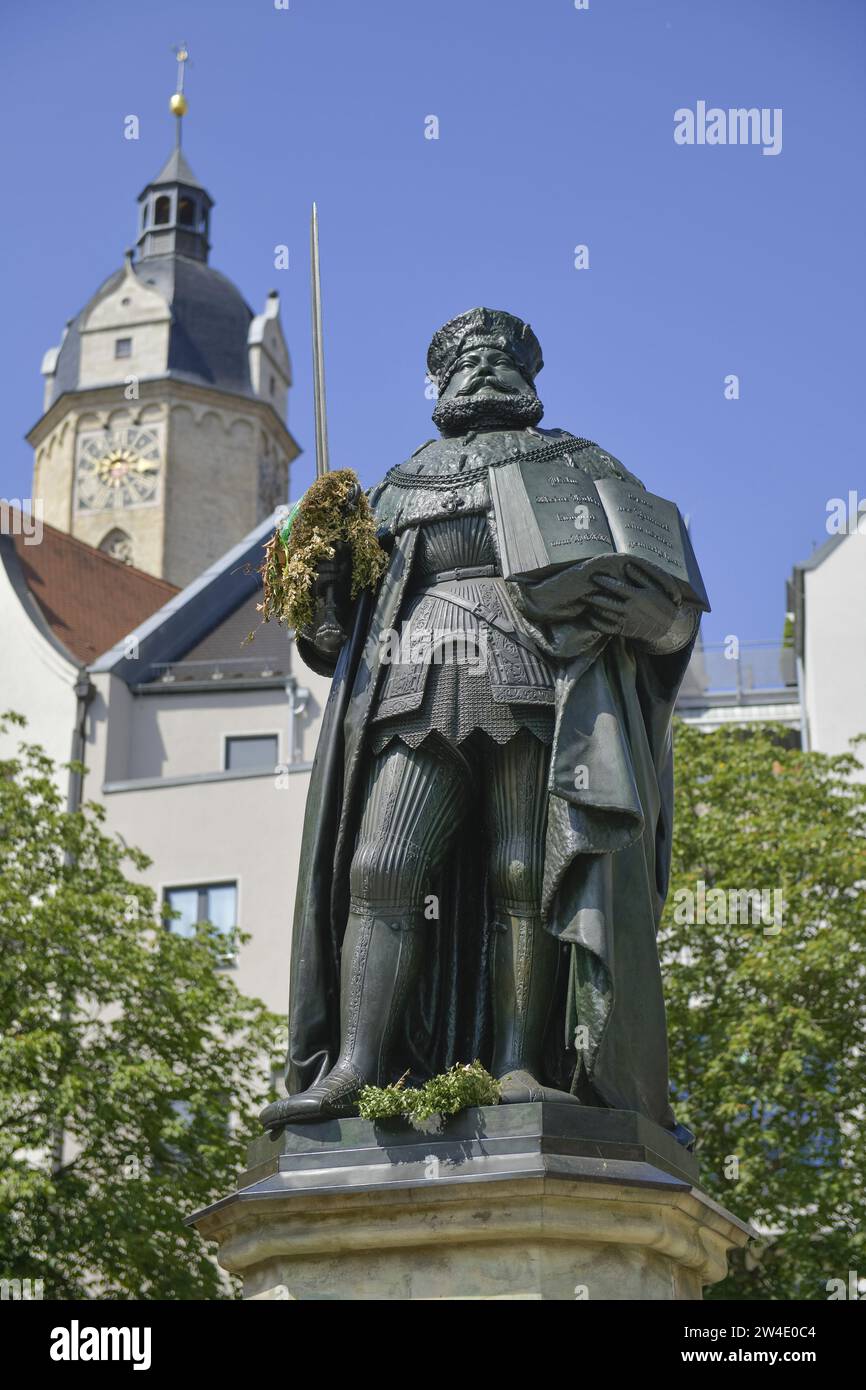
(551, 515)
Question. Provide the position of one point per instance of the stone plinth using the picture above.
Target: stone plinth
(540, 1201)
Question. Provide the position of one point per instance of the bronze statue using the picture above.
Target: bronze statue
(488, 833)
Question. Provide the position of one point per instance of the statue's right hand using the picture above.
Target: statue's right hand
(338, 568)
(331, 601)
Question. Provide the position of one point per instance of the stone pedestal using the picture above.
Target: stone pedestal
(541, 1201)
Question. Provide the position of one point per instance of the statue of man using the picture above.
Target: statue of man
(488, 833)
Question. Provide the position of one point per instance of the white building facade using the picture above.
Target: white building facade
(200, 746)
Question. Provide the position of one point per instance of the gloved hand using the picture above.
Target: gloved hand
(640, 606)
(337, 570)
(331, 600)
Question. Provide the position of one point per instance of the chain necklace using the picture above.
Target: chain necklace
(434, 483)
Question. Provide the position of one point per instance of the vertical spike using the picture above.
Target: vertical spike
(318, 351)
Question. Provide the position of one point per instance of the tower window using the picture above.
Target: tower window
(123, 347)
(118, 545)
(162, 210)
(273, 385)
(186, 212)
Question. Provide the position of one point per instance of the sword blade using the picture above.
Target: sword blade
(318, 351)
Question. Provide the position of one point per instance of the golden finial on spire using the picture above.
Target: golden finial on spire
(178, 104)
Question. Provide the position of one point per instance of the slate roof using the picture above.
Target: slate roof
(175, 170)
(194, 624)
(210, 320)
(229, 640)
(88, 600)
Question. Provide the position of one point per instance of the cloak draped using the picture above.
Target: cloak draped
(607, 861)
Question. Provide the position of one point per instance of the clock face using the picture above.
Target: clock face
(117, 468)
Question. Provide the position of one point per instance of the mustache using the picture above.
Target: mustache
(477, 383)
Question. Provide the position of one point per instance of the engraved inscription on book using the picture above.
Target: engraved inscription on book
(548, 517)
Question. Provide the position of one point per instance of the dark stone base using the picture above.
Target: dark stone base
(509, 1201)
(485, 1142)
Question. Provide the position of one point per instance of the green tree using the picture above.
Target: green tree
(125, 1039)
(768, 1021)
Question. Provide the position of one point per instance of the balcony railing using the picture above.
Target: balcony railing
(748, 671)
(754, 669)
(249, 668)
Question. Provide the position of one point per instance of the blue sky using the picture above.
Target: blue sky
(555, 129)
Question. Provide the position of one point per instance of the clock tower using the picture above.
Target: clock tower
(164, 439)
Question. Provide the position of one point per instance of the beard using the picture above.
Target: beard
(460, 414)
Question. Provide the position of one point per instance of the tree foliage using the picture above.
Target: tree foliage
(130, 1042)
(135, 1045)
(768, 1026)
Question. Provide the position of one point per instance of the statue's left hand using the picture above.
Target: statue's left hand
(641, 606)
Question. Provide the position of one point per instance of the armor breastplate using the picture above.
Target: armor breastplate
(443, 491)
(463, 542)
(483, 663)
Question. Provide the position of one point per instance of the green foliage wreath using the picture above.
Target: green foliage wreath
(333, 511)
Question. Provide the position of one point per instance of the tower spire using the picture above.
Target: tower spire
(178, 104)
(175, 207)
(175, 212)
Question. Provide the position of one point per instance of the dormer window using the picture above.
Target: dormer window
(123, 347)
(162, 210)
(118, 545)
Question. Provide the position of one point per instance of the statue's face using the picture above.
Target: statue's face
(485, 373)
(486, 391)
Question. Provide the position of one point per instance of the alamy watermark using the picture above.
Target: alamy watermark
(21, 1290)
(738, 125)
(418, 645)
(77, 1343)
(853, 1288)
(730, 907)
(846, 516)
(22, 517)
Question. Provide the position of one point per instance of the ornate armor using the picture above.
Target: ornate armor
(465, 667)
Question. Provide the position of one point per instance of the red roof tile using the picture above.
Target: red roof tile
(89, 599)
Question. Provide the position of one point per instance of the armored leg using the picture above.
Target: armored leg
(381, 954)
(414, 802)
(525, 956)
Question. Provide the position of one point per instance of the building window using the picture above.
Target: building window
(118, 545)
(252, 751)
(204, 902)
(162, 210)
(186, 212)
(123, 347)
